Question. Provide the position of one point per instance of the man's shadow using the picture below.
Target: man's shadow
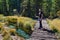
(49, 31)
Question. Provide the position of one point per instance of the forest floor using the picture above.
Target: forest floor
(43, 34)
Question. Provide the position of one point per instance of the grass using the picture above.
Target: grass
(22, 20)
(25, 23)
(54, 24)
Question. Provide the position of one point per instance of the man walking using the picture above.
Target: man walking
(40, 18)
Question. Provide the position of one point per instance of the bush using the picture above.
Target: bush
(6, 35)
(12, 31)
(12, 20)
(1, 27)
(54, 29)
(24, 23)
(27, 28)
(1, 17)
(54, 25)
(58, 13)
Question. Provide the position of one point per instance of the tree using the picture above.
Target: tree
(45, 8)
(14, 4)
(3, 7)
(53, 9)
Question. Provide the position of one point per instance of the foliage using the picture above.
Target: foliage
(58, 14)
(6, 35)
(24, 23)
(1, 26)
(54, 24)
(12, 23)
(29, 8)
(12, 32)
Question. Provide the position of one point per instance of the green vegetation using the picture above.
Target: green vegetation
(14, 25)
(17, 16)
(54, 24)
(29, 8)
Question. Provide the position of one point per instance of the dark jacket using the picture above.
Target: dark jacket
(41, 15)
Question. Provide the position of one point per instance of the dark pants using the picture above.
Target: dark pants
(40, 24)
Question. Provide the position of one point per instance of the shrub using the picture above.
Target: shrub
(54, 25)
(58, 13)
(54, 29)
(24, 23)
(1, 27)
(12, 20)
(13, 31)
(27, 29)
(1, 18)
(6, 35)
(14, 23)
